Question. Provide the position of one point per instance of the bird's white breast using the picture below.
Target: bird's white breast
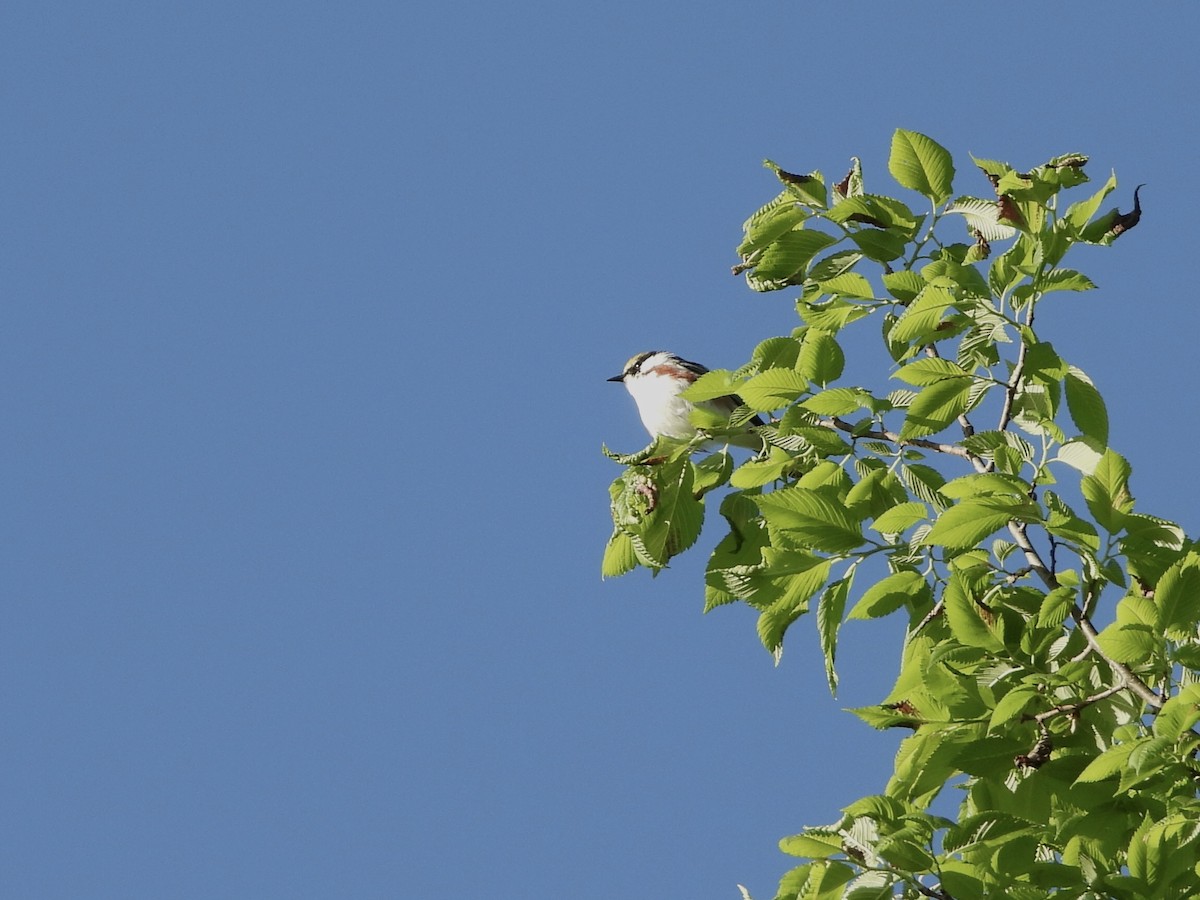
(662, 410)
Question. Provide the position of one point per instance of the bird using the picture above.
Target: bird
(656, 379)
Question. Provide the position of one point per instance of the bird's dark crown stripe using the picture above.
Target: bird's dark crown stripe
(635, 362)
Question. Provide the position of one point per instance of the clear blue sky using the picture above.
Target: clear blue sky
(308, 311)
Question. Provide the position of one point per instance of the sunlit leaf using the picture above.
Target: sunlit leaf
(921, 164)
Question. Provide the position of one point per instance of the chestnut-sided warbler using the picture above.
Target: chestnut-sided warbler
(657, 378)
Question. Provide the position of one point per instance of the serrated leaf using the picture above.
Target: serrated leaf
(970, 521)
(935, 407)
(773, 389)
(1079, 214)
(881, 246)
(985, 483)
(1081, 454)
(769, 223)
(1177, 598)
(848, 284)
(900, 518)
(711, 385)
(890, 594)
(965, 618)
(832, 315)
(925, 482)
(1012, 705)
(811, 518)
(1128, 643)
(982, 218)
(1109, 763)
(757, 472)
(1064, 280)
(619, 556)
(812, 845)
(797, 576)
(837, 401)
(1179, 714)
(923, 315)
(879, 211)
(821, 360)
(1106, 491)
(921, 164)
(834, 264)
(784, 259)
(930, 370)
(829, 619)
(904, 285)
(1086, 406)
(1056, 607)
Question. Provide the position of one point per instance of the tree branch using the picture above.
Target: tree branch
(883, 435)
(1014, 382)
(1073, 708)
(1123, 672)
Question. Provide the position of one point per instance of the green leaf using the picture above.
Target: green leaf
(773, 389)
(985, 483)
(936, 407)
(812, 844)
(712, 384)
(829, 620)
(785, 258)
(837, 401)
(811, 518)
(1179, 713)
(1063, 280)
(757, 472)
(1106, 491)
(873, 209)
(619, 556)
(832, 265)
(870, 886)
(848, 284)
(1086, 406)
(797, 576)
(881, 246)
(1177, 598)
(1109, 763)
(770, 223)
(967, 523)
(1128, 643)
(921, 319)
(930, 370)
(904, 285)
(900, 518)
(832, 315)
(1082, 454)
(1079, 214)
(890, 594)
(965, 617)
(821, 360)
(1056, 607)
(926, 483)
(982, 218)
(921, 164)
(1013, 704)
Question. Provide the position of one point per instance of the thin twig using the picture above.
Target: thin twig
(883, 435)
(1018, 372)
(1072, 708)
(929, 617)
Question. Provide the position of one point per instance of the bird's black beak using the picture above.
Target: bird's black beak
(616, 378)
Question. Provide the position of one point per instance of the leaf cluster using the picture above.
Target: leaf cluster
(983, 480)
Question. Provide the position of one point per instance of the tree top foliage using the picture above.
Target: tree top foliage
(981, 475)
